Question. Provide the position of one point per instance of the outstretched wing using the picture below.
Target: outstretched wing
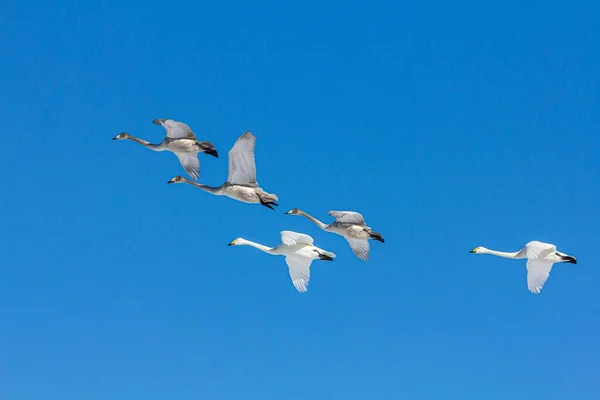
(290, 238)
(242, 168)
(361, 248)
(535, 249)
(349, 217)
(177, 130)
(299, 271)
(191, 164)
(538, 271)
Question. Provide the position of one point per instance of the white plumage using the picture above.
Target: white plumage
(299, 252)
(540, 259)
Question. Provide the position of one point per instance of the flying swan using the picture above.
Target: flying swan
(181, 141)
(299, 253)
(241, 184)
(540, 258)
(349, 224)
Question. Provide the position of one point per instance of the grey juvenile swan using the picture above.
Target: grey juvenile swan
(241, 184)
(181, 141)
(349, 224)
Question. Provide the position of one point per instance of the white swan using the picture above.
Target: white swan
(241, 184)
(540, 258)
(349, 224)
(181, 141)
(299, 253)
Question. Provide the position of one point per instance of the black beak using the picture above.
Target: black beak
(325, 257)
(287, 212)
(569, 259)
(472, 251)
(159, 121)
(115, 138)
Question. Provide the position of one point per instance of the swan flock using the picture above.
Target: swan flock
(298, 248)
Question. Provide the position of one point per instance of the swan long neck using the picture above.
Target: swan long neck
(499, 253)
(261, 247)
(206, 188)
(313, 219)
(151, 146)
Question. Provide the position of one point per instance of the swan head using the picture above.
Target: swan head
(236, 242)
(293, 211)
(121, 136)
(478, 249)
(177, 179)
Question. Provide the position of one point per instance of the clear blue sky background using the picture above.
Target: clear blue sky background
(447, 126)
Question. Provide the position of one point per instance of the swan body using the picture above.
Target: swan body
(540, 259)
(241, 184)
(349, 224)
(179, 140)
(299, 251)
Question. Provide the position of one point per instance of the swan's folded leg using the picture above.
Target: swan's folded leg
(268, 204)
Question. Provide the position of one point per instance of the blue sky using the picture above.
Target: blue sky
(447, 127)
